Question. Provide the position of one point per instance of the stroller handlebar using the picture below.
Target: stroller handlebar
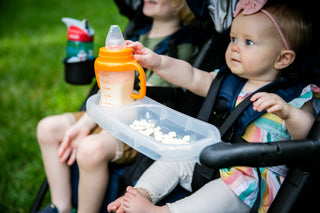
(222, 155)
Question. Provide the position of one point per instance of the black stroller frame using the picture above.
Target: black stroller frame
(302, 156)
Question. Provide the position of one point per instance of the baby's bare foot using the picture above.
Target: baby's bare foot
(116, 206)
(134, 201)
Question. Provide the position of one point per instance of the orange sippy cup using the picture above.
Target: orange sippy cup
(115, 71)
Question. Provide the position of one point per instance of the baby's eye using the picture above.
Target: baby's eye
(233, 39)
(249, 42)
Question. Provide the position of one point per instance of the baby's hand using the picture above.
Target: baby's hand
(136, 46)
(69, 145)
(145, 57)
(270, 102)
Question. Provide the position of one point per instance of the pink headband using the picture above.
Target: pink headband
(249, 7)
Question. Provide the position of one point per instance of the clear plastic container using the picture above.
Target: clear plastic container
(117, 120)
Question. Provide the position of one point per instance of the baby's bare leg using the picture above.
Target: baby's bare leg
(139, 201)
(94, 154)
(50, 133)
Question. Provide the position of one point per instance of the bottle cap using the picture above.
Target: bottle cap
(114, 38)
(79, 30)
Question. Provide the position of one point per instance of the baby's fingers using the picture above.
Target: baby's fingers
(257, 96)
(128, 42)
(134, 45)
(64, 145)
(260, 101)
(65, 155)
(261, 104)
(72, 157)
(274, 109)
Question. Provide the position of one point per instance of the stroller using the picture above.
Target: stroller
(295, 191)
(204, 40)
(301, 156)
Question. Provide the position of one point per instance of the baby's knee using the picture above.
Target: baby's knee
(46, 130)
(92, 152)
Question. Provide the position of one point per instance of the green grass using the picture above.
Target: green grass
(32, 86)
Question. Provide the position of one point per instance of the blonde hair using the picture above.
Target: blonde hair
(183, 11)
(296, 29)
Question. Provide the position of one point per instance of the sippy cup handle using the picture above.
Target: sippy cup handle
(142, 83)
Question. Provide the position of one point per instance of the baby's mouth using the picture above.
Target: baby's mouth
(150, 2)
(235, 60)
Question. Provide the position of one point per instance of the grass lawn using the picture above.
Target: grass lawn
(32, 47)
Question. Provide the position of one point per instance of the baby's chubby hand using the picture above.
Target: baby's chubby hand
(270, 102)
(145, 57)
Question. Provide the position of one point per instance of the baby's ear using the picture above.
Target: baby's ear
(286, 57)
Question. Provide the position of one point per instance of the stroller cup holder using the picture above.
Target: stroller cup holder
(79, 73)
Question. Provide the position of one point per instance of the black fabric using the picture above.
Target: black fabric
(129, 8)
(198, 7)
(209, 101)
(170, 96)
(256, 204)
(202, 175)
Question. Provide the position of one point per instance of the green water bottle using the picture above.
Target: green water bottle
(80, 40)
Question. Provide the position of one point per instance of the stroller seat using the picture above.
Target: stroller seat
(188, 103)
